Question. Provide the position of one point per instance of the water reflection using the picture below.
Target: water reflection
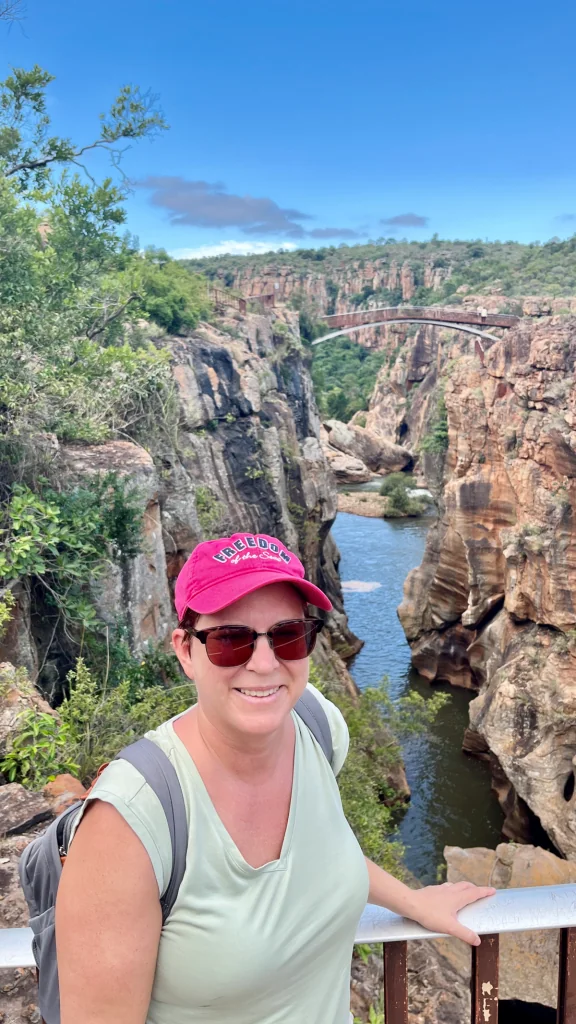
(451, 799)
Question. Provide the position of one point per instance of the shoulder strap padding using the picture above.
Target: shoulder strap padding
(155, 766)
(313, 715)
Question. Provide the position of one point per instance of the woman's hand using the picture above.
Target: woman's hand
(435, 907)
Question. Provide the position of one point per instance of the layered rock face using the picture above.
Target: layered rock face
(331, 293)
(239, 450)
(492, 605)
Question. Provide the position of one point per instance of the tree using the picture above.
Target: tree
(28, 151)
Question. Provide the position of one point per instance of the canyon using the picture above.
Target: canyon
(490, 608)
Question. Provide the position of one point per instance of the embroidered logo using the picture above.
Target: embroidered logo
(266, 550)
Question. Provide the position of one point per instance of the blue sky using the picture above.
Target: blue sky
(310, 122)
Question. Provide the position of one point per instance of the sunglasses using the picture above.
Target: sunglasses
(231, 646)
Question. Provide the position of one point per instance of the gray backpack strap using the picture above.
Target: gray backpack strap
(160, 775)
(313, 715)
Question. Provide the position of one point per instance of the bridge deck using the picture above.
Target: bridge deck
(453, 314)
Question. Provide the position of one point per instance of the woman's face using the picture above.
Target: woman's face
(222, 691)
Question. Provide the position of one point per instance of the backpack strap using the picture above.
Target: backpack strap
(161, 776)
(313, 715)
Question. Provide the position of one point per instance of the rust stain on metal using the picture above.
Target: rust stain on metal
(395, 983)
(567, 977)
(485, 962)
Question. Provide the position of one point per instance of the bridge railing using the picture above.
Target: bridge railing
(454, 314)
(509, 910)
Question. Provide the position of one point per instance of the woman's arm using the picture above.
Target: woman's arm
(435, 907)
(108, 923)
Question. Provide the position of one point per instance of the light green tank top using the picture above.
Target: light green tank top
(244, 945)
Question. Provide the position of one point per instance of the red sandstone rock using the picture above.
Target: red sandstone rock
(63, 791)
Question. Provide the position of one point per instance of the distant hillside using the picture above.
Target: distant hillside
(392, 271)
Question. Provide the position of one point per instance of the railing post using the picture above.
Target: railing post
(567, 977)
(485, 980)
(395, 983)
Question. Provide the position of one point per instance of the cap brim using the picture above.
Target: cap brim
(215, 598)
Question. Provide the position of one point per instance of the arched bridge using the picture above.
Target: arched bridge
(467, 320)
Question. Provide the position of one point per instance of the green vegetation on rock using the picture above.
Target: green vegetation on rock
(376, 724)
(511, 268)
(396, 487)
(344, 374)
(436, 441)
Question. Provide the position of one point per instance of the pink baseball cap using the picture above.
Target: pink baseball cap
(222, 571)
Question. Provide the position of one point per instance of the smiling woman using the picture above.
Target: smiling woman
(275, 882)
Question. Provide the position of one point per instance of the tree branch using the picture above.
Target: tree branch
(34, 165)
(11, 10)
(97, 329)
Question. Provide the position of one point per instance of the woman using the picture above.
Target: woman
(264, 923)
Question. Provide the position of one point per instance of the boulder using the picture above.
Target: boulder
(346, 468)
(17, 694)
(528, 960)
(379, 453)
(438, 984)
(21, 809)
(63, 791)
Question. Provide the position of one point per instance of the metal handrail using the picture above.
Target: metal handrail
(509, 910)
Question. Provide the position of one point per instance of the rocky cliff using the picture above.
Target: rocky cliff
(238, 450)
(492, 605)
(349, 282)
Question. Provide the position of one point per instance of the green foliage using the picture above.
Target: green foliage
(100, 721)
(437, 440)
(170, 295)
(70, 285)
(376, 1016)
(7, 603)
(63, 542)
(376, 723)
(27, 150)
(513, 268)
(39, 750)
(209, 511)
(344, 374)
(396, 487)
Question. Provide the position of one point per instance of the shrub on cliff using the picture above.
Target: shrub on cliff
(396, 487)
(376, 724)
(94, 722)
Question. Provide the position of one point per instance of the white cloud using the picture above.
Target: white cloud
(230, 248)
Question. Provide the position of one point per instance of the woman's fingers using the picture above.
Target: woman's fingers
(466, 934)
(470, 894)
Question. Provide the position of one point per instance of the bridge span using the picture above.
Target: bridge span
(427, 314)
(442, 316)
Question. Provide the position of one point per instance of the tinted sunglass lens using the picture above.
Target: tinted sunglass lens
(230, 648)
(293, 640)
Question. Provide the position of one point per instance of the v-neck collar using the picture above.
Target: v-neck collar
(229, 846)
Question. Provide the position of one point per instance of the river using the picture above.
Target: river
(452, 803)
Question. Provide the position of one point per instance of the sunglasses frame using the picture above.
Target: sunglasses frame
(203, 635)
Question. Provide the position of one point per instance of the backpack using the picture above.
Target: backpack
(40, 865)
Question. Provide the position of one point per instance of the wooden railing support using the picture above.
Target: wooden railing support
(395, 983)
(567, 977)
(485, 962)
